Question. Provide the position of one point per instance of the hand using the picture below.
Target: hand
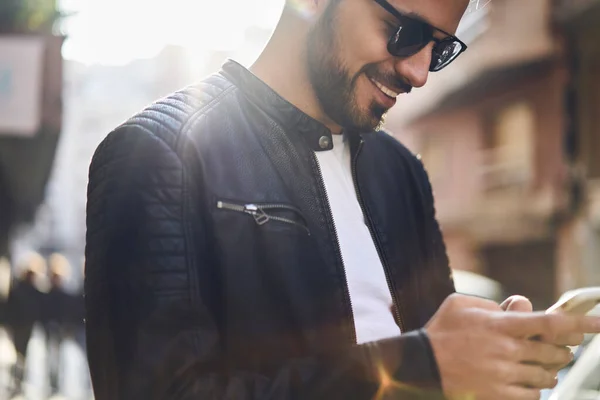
(483, 351)
(522, 304)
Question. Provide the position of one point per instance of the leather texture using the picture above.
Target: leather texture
(190, 296)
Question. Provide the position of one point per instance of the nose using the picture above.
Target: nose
(415, 69)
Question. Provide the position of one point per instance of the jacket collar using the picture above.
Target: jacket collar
(317, 135)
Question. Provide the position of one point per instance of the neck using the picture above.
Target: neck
(282, 65)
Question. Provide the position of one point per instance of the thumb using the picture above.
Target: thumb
(517, 304)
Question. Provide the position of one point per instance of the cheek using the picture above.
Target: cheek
(371, 49)
(363, 92)
(362, 44)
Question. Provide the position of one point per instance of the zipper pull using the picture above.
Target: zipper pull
(259, 215)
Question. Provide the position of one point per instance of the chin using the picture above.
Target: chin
(364, 118)
(367, 127)
(367, 122)
(376, 120)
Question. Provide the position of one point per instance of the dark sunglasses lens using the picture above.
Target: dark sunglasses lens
(444, 53)
(410, 38)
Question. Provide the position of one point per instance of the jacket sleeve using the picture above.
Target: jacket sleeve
(436, 265)
(150, 334)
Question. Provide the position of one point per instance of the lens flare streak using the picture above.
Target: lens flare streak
(389, 388)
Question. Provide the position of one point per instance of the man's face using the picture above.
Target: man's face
(355, 78)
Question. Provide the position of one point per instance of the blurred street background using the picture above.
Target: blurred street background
(510, 135)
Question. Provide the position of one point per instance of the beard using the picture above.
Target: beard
(332, 82)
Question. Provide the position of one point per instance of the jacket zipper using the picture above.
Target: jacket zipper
(260, 215)
(337, 243)
(397, 304)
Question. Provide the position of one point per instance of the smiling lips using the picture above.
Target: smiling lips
(386, 90)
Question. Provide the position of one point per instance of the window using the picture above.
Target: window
(434, 155)
(508, 156)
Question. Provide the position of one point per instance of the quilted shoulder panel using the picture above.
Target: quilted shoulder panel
(168, 117)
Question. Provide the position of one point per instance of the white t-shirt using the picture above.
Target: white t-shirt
(369, 292)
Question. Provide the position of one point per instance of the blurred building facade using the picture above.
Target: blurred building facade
(578, 22)
(514, 196)
(30, 124)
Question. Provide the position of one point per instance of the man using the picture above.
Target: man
(57, 309)
(24, 311)
(240, 247)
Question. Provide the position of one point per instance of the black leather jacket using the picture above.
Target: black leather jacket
(213, 267)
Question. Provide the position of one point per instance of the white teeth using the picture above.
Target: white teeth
(388, 92)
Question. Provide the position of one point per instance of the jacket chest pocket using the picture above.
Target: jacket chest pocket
(270, 214)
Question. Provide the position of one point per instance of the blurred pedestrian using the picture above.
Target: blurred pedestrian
(77, 313)
(24, 310)
(5, 283)
(56, 321)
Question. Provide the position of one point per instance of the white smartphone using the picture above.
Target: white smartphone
(577, 302)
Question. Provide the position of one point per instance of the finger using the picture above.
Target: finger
(517, 304)
(573, 339)
(533, 376)
(549, 326)
(553, 369)
(543, 353)
(520, 393)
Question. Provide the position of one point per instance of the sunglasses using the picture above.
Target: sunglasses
(413, 35)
